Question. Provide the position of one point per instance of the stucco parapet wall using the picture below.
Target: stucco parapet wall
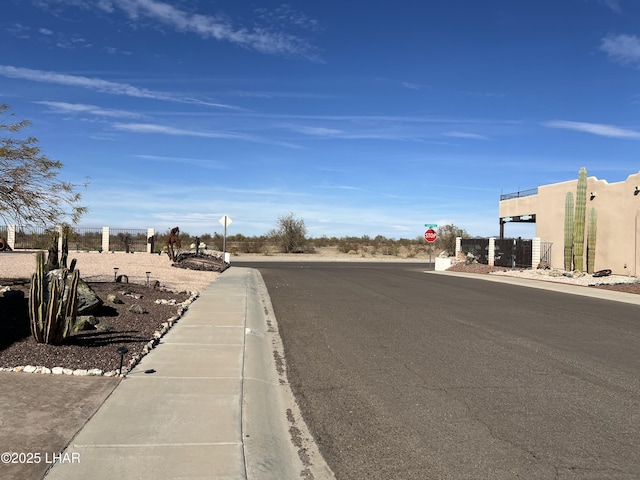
(519, 206)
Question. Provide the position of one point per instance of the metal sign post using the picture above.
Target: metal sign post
(225, 221)
(430, 236)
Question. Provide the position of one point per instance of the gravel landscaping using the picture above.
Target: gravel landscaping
(93, 351)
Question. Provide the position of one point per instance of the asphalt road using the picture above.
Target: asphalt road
(403, 374)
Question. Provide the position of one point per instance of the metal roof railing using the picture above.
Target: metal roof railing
(519, 194)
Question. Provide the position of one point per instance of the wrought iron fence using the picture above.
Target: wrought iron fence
(33, 237)
(545, 252)
(85, 239)
(30, 237)
(127, 240)
(3, 238)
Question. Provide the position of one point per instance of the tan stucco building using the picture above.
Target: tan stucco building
(618, 209)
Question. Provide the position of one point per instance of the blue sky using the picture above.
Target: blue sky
(361, 118)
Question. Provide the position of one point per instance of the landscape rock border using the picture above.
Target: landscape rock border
(157, 335)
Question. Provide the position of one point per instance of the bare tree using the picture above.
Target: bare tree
(447, 237)
(291, 234)
(30, 190)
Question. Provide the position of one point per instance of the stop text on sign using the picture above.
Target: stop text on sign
(430, 235)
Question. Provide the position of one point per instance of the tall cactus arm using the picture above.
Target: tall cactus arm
(37, 300)
(591, 240)
(579, 220)
(568, 231)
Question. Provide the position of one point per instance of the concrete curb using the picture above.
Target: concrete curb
(277, 442)
(559, 287)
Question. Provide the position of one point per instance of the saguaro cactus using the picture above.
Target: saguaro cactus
(568, 231)
(591, 240)
(579, 218)
(53, 303)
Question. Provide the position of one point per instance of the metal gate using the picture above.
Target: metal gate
(513, 252)
(478, 247)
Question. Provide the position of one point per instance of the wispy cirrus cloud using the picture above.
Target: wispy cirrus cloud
(474, 136)
(412, 86)
(267, 34)
(199, 162)
(622, 48)
(359, 133)
(600, 129)
(317, 131)
(74, 108)
(393, 128)
(152, 128)
(614, 5)
(99, 85)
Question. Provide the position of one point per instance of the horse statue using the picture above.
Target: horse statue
(173, 243)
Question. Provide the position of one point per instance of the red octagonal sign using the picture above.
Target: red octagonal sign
(430, 235)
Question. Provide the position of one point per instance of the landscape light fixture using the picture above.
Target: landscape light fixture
(115, 274)
(637, 191)
(148, 274)
(121, 351)
(592, 196)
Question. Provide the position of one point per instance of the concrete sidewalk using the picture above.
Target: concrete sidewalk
(207, 403)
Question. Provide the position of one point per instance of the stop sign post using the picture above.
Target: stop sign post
(430, 236)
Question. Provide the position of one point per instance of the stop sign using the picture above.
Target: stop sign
(430, 235)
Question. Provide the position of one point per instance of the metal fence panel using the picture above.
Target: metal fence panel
(545, 252)
(478, 247)
(30, 237)
(127, 240)
(512, 252)
(85, 239)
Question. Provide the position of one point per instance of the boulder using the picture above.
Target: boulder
(88, 300)
(85, 322)
(113, 298)
(135, 308)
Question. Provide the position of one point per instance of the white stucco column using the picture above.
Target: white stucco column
(458, 245)
(150, 233)
(105, 239)
(491, 257)
(535, 252)
(11, 236)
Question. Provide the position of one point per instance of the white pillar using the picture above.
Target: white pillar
(491, 258)
(535, 252)
(105, 239)
(11, 236)
(150, 233)
(458, 246)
